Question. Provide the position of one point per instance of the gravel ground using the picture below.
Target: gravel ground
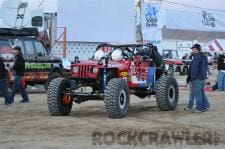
(29, 125)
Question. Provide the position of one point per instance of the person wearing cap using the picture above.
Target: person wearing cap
(3, 83)
(196, 79)
(18, 82)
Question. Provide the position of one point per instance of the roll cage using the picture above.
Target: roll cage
(128, 50)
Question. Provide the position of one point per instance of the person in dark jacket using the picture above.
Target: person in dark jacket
(196, 76)
(3, 83)
(191, 95)
(221, 62)
(220, 66)
(221, 73)
(18, 82)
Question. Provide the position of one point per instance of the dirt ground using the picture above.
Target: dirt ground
(29, 125)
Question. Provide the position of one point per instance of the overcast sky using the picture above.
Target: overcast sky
(212, 4)
(48, 5)
(51, 5)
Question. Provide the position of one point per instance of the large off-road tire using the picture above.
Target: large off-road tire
(51, 76)
(117, 98)
(59, 103)
(167, 93)
(170, 71)
(184, 71)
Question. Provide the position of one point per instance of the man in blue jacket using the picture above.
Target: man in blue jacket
(197, 76)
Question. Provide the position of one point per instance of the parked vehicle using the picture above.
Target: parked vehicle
(175, 64)
(40, 66)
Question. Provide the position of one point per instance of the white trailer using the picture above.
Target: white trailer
(92, 22)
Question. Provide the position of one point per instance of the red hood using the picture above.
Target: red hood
(113, 64)
(86, 62)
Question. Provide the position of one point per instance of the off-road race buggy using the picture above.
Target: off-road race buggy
(111, 75)
(40, 66)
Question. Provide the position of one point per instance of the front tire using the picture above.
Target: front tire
(59, 102)
(167, 93)
(51, 76)
(117, 98)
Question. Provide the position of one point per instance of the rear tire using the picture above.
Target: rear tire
(55, 95)
(117, 98)
(167, 93)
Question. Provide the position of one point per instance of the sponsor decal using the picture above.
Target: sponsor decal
(39, 66)
(208, 19)
(145, 138)
(151, 15)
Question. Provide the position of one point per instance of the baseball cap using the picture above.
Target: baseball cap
(197, 46)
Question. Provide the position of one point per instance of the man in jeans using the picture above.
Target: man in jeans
(197, 76)
(3, 83)
(18, 83)
(191, 95)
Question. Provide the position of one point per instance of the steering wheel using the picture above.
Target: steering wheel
(144, 57)
(125, 56)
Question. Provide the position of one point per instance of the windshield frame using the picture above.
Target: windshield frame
(32, 41)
